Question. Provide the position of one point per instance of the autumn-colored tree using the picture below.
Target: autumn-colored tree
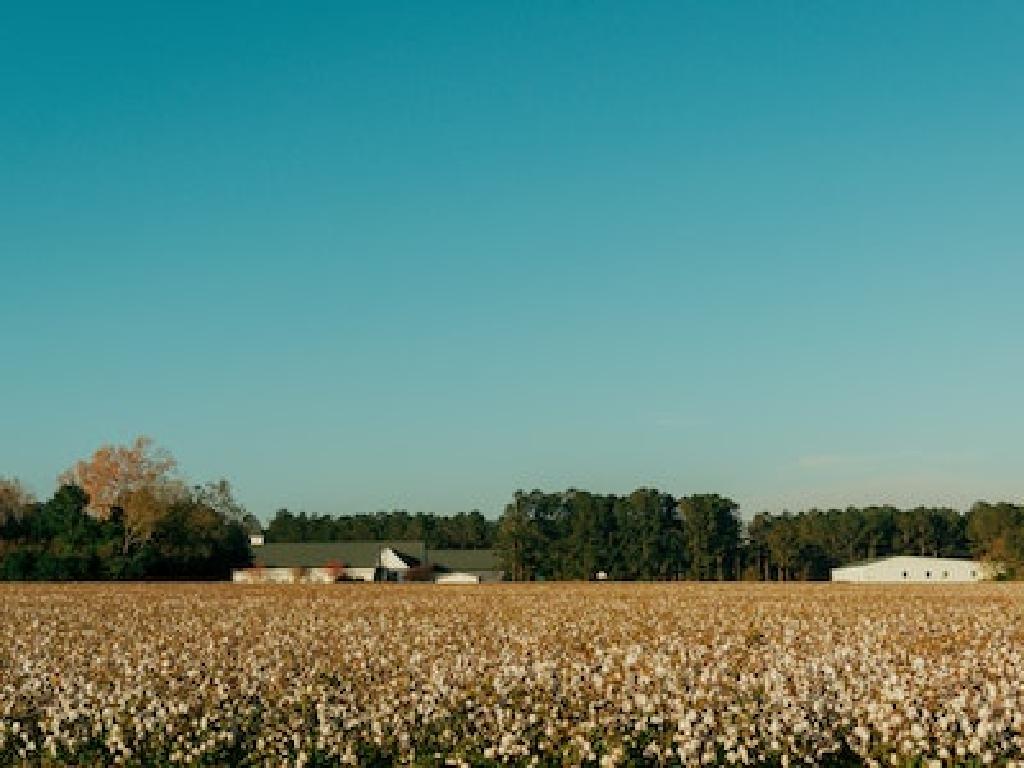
(13, 499)
(143, 508)
(116, 470)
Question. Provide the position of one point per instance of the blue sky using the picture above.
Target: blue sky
(357, 256)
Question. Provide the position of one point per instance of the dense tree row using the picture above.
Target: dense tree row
(465, 530)
(59, 540)
(122, 515)
(646, 535)
(651, 535)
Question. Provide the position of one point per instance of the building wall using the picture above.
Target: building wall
(267, 575)
(390, 560)
(323, 575)
(457, 578)
(304, 575)
(914, 570)
(359, 574)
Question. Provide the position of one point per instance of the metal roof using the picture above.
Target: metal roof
(353, 554)
(918, 558)
(465, 559)
(365, 554)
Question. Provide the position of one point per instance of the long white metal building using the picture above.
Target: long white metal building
(904, 568)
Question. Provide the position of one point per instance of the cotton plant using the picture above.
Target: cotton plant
(526, 675)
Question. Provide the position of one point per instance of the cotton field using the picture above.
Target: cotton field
(553, 674)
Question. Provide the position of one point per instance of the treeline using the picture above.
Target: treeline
(465, 530)
(653, 535)
(59, 541)
(122, 514)
(646, 535)
(807, 545)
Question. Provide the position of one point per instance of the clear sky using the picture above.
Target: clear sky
(357, 256)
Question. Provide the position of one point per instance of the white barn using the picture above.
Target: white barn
(328, 562)
(903, 568)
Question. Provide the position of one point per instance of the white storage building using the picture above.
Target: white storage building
(903, 568)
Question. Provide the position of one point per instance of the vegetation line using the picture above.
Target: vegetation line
(124, 513)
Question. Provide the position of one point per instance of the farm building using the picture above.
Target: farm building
(481, 565)
(458, 577)
(327, 562)
(913, 569)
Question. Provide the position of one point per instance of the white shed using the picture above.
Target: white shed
(903, 568)
(457, 578)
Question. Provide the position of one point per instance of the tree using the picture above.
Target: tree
(783, 545)
(252, 524)
(194, 541)
(517, 538)
(757, 545)
(142, 510)
(588, 535)
(115, 470)
(220, 497)
(576, 534)
(994, 531)
(711, 529)
(653, 539)
(14, 499)
(56, 540)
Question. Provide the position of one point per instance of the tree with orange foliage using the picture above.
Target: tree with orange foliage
(114, 471)
(143, 509)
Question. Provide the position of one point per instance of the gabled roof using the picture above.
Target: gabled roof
(353, 554)
(868, 561)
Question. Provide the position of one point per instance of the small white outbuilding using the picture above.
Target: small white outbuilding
(904, 568)
(458, 577)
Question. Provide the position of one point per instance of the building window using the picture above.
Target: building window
(945, 574)
(927, 574)
(906, 575)
(974, 574)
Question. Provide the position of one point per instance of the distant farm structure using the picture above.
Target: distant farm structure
(915, 570)
(386, 561)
